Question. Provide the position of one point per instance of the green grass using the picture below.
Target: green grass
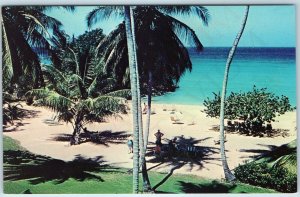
(11, 144)
(24, 171)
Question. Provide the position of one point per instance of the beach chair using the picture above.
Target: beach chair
(153, 111)
(192, 151)
(175, 120)
(164, 108)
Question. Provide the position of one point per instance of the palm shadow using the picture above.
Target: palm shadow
(211, 187)
(16, 123)
(272, 153)
(97, 137)
(197, 158)
(23, 165)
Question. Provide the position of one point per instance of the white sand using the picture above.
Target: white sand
(37, 137)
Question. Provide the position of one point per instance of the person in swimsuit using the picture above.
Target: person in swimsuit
(130, 144)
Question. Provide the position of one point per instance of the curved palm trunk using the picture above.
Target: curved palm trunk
(228, 174)
(134, 94)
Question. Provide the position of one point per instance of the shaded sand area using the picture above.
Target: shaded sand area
(39, 134)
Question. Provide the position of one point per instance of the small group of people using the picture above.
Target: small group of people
(172, 144)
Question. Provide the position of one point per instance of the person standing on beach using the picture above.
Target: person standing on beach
(145, 108)
(130, 144)
(158, 136)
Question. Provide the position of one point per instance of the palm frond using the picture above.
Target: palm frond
(25, 60)
(48, 8)
(183, 30)
(42, 28)
(110, 39)
(105, 105)
(75, 60)
(201, 11)
(103, 12)
(56, 74)
(288, 161)
(75, 86)
(51, 99)
(125, 93)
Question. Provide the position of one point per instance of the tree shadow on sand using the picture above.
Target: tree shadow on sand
(18, 122)
(197, 158)
(211, 187)
(272, 152)
(102, 137)
(23, 165)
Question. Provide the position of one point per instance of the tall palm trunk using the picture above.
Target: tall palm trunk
(146, 181)
(134, 94)
(228, 174)
(149, 108)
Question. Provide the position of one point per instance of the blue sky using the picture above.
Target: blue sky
(267, 26)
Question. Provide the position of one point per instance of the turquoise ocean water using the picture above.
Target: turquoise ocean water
(271, 68)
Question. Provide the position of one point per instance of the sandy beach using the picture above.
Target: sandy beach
(38, 134)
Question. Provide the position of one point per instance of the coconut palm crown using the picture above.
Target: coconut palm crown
(80, 95)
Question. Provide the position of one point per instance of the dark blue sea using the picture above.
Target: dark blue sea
(271, 68)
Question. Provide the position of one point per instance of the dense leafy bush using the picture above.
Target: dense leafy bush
(259, 174)
(254, 108)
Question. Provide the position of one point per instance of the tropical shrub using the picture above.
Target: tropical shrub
(253, 107)
(260, 174)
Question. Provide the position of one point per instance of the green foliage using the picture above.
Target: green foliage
(24, 29)
(253, 107)
(288, 162)
(78, 90)
(162, 51)
(76, 55)
(11, 109)
(11, 112)
(260, 174)
(276, 169)
(255, 104)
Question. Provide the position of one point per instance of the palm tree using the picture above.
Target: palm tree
(155, 57)
(24, 29)
(228, 174)
(129, 21)
(162, 56)
(81, 93)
